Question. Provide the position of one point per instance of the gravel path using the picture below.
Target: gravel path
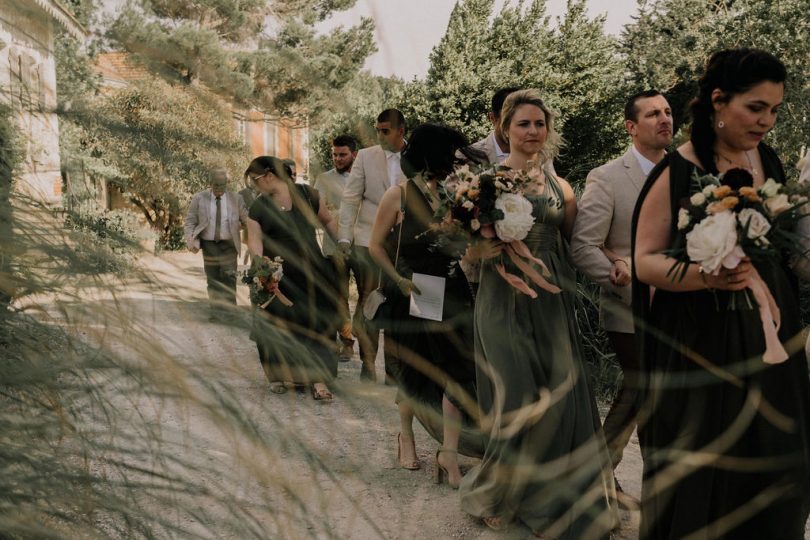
(311, 469)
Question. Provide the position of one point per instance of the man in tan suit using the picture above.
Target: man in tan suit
(600, 245)
(495, 145)
(374, 170)
(330, 185)
(214, 220)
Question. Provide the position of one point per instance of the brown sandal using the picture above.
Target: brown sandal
(495, 523)
(321, 395)
(278, 387)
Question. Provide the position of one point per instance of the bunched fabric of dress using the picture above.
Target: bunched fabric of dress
(295, 341)
(546, 463)
(725, 443)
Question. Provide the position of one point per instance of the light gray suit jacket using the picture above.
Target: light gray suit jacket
(199, 214)
(604, 219)
(366, 185)
(487, 146)
(330, 185)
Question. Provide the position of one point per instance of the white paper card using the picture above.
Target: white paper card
(429, 303)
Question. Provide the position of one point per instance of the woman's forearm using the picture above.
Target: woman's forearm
(652, 270)
(380, 256)
(255, 238)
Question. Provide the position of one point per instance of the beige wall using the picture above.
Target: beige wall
(28, 82)
(279, 137)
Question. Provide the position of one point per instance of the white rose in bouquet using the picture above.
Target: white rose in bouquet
(758, 225)
(683, 219)
(777, 204)
(770, 188)
(713, 242)
(517, 217)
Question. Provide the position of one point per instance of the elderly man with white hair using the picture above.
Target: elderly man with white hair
(215, 217)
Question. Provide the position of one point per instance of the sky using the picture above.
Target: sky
(407, 30)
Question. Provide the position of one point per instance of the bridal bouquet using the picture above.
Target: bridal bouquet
(489, 203)
(263, 278)
(726, 219)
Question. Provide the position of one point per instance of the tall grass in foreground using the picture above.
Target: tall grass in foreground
(84, 449)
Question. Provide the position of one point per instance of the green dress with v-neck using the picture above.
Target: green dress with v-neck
(545, 463)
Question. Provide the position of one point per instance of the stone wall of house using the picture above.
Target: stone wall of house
(28, 82)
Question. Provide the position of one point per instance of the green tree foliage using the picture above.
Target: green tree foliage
(259, 52)
(192, 41)
(161, 141)
(671, 40)
(575, 66)
(585, 83)
(156, 139)
(458, 82)
(297, 71)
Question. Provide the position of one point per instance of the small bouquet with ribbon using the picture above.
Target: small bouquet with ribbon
(726, 219)
(263, 279)
(490, 203)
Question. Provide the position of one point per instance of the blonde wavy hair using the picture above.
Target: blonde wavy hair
(530, 96)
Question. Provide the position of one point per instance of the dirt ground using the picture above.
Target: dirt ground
(332, 465)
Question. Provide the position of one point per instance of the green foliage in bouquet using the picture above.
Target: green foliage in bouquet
(261, 278)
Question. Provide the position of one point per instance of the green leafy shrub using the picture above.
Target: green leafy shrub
(106, 240)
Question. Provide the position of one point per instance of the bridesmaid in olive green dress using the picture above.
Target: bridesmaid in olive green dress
(545, 464)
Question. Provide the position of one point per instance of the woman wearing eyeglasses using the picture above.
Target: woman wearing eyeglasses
(294, 341)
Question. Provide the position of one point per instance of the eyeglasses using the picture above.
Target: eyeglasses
(254, 178)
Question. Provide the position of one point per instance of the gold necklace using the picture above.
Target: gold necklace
(750, 167)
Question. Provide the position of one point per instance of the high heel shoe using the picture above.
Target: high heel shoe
(441, 474)
(413, 465)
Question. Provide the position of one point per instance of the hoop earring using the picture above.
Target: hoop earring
(721, 124)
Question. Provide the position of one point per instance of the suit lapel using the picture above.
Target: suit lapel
(382, 166)
(633, 169)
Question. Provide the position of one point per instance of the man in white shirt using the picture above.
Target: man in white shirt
(214, 220)
(495, 145)
(375, 170)
(331, 185)
(600, 246)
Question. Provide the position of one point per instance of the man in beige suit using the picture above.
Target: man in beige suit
(214, 220)
(330, 185)
(374, 170)
(495, 145)
(600, 245)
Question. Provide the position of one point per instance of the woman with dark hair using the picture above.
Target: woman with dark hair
(294, 341)
(725, 443)
(437, 376)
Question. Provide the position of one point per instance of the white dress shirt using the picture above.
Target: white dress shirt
(645, 164)
(392, 158)
(500, 154)
(224, 230)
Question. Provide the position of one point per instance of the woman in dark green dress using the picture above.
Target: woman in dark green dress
(546, 463)
(294, 341)
(725, 441)
(437, 377)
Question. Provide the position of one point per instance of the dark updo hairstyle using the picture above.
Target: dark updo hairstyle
(265, 164)
(432, 150)
(733, 71)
